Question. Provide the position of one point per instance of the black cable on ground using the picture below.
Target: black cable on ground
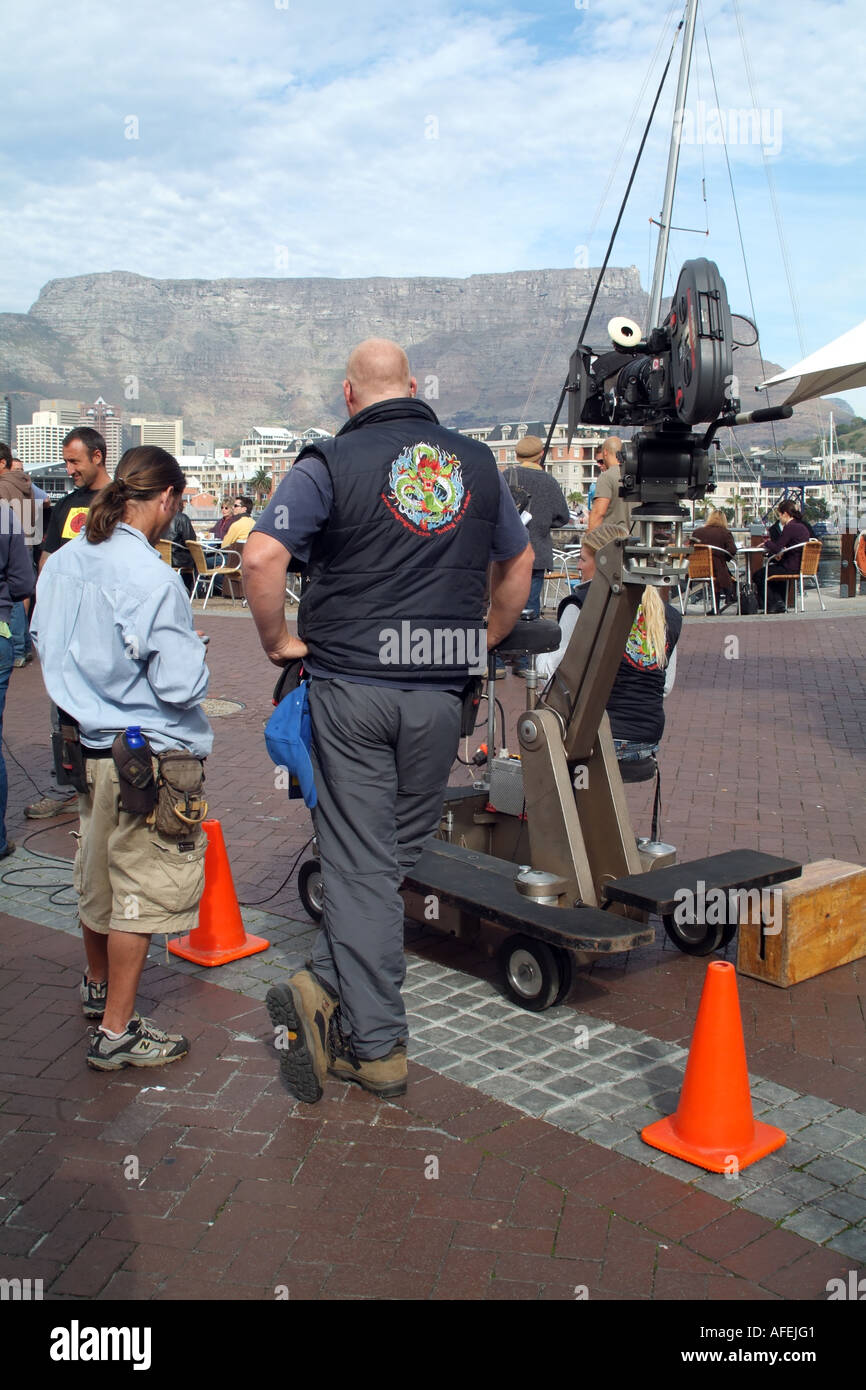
(271, 896)
(33, 784)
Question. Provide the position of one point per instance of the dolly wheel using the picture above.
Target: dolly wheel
(698, 938)
(310, 888)
(530, 972)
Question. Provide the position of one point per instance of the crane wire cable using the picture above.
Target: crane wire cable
(564, 308)
(613, 234)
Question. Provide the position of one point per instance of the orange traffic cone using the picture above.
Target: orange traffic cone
(713, 1126)
(220, 935)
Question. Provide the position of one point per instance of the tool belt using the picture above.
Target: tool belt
(68, 753)
(164, 787)
(180, 806)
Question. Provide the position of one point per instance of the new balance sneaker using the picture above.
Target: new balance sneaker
(142, 1045)
(50, 806)
(93, 997)
(301, 1011)
(385, 1077)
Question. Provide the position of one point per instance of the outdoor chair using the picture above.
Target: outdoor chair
(701, 572)
(811, 554)
(167, 551)
(208, 577)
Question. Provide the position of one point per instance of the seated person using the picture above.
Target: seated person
(716, 531)
(242, 522)
(648, 667)
(793, 533)
(180, 530)
(236, 535)
(225, 521)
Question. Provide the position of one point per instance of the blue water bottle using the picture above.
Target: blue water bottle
(134, 737)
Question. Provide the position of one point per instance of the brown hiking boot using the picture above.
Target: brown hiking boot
(301, 1011)
(384, 1076)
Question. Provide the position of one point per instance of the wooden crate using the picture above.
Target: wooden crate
(823, 925)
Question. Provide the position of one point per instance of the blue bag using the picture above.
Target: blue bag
(288, 736)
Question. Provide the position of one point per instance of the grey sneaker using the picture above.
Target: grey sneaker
(93, 997)
(142, 1045)
(50, 806)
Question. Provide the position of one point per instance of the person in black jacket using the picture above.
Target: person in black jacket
(17, 582)
(546, 505)
(397, 521)
(180, 530)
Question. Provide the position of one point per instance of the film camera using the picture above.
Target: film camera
(679, 376)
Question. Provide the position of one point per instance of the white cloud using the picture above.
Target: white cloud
(306, 129)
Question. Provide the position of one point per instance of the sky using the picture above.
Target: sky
(258, 138)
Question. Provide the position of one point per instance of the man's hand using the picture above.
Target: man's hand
(288, 649)
(265, 565)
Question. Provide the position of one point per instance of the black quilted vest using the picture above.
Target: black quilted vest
(396, 580)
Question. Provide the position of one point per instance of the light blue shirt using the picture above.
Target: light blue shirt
(114, 631)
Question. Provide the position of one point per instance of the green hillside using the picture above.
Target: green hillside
(850, 433)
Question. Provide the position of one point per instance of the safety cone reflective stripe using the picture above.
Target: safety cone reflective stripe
(220, 935)
(713, 1126)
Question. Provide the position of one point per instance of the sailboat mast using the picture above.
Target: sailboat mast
(673, 161)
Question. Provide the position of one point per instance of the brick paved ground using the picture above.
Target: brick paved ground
(239, 1190)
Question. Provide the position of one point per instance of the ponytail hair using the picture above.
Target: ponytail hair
(142, 474)
(652, 613)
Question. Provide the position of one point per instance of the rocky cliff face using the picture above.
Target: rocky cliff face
(228, 354)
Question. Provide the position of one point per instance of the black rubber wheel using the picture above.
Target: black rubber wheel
(697, 939)
(565, 961)
(310, 888)
(530, 973)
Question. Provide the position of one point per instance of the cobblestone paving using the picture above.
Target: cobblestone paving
(586, 1076)
(758, 751)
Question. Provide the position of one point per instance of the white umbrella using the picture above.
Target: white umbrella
(840, 366)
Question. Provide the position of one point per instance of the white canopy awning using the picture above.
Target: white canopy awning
(840, 366)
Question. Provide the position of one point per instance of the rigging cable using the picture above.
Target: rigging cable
(619, 218)
(564, 307)
(771, 184)
(739, 227)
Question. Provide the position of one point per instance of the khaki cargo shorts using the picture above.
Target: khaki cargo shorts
(127, 876)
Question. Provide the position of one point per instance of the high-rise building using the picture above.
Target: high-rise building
(101, 416)
(40, 443)
(165, 434)
(68, 413)
(5, 420)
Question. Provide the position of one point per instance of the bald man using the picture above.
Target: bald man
(607, 504)
(396, 521)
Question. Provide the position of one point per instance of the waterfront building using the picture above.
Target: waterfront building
(165, 434)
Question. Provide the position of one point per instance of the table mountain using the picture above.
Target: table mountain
(229, 354)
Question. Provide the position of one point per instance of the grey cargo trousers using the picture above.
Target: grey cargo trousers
(381, 758)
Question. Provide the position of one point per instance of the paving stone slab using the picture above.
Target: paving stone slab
(770, 1202)
(775, 1093)
(803, 1185)
(841, 1203)
(814, 1224)
(835, 1171)
(851, 1242)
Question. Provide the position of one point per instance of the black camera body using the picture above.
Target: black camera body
(681, 372)
(679, 376)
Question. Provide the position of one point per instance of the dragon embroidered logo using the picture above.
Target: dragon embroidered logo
(425, 490)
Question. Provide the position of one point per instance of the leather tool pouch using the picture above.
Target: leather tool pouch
(471, 701)
(180, 806)
(135, 775)
(69, 755)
